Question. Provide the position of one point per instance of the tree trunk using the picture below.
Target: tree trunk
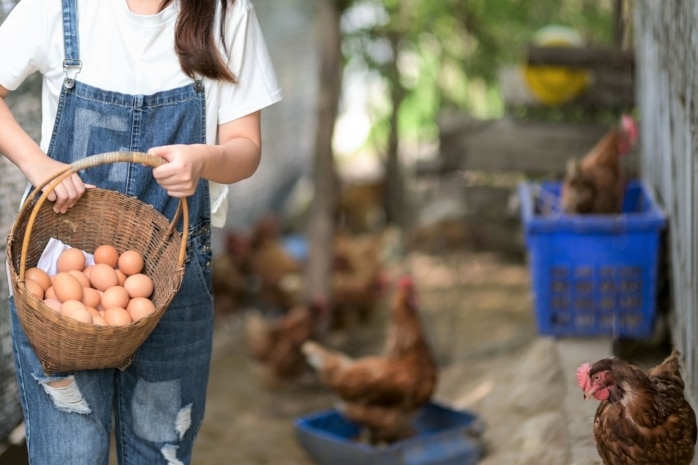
(395, 202)
(321, 220)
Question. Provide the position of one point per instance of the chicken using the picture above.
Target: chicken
(276, 342)
(383, 392)
(595, 183)
(357, 279)
(643, 418)
(229, 276)
(361, 206)
(274, 272)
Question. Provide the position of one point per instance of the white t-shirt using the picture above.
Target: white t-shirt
(134, 54)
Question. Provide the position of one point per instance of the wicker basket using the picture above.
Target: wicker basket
(100, 217)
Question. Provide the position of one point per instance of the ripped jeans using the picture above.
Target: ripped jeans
(157, 403)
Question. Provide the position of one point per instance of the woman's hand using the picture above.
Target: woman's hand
(181, 174)
(66, 194)
(234, 158)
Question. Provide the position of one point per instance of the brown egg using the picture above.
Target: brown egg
(71, 259)
(67, 287)
(117, 316)
(140, 307)
(93, 311)
(50, 293)
(121, 276)
(139, 285)
(98, 320)
(103, 277)
(107, 254)
(76, 310)
(91, 297)
(87, 270)
(69, 306)
(80, 276)
(115, 296)
(131, 262)
(53, 304)
(82, 316)
(38, 275)
(35, 288)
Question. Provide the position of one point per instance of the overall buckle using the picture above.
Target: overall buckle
(71, 68)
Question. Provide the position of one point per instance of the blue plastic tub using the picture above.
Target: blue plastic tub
(444, 437)
(592, 275)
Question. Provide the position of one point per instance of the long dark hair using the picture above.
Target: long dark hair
(195, 40)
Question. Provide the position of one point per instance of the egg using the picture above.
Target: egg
(34, 288)
(50, 293)
(140, 307)
(98, 320)
(106, 254)
(91, 297)
(115, 296)
(121, 276)
(76, 310)
(53, 304)
(117, 316)
(131, 262)
(80, 276)
(93, 311)
(71, 259)
(103, 276)
(87, 270)
(139, 285)
(82, 316)
(67, 287)
(38, 275)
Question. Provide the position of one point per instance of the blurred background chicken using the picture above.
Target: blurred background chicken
(275, 342)
(383, 392)
(275, 274)
(595, 183)
(357, 281)
(643, 418)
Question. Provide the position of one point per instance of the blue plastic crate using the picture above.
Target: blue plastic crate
(592, 275)
(444, 437)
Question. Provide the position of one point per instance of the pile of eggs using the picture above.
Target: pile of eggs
(112, 292)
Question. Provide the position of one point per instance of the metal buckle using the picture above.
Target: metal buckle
(69, 81)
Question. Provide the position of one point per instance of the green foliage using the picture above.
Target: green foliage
(449, 52)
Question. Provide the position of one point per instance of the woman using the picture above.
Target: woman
(184, 80)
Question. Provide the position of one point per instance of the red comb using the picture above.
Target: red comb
(583, 376)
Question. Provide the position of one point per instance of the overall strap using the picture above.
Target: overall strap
(71, 45)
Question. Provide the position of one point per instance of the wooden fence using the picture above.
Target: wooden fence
(666, 40)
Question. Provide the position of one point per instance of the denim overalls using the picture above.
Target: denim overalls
(158, 401)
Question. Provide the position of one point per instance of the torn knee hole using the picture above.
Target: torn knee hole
(66, 395)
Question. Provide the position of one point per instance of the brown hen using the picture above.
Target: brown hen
(595, 183)
(276, 342)
(276, 275)
(643, 417)
(357, 279)
(383, 392)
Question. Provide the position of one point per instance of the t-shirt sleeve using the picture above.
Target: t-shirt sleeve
(249, 59)
(21, 37)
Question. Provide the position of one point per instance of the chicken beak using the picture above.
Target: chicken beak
(590, 392)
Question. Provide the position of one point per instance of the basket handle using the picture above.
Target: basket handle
(90, 162)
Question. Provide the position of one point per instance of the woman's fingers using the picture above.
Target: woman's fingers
(67, 193)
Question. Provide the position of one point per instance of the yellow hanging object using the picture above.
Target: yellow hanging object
(555, 85)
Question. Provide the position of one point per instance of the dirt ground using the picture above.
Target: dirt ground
(477, 310)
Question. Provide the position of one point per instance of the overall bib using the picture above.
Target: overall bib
(157, 403)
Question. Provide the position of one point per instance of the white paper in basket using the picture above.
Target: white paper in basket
(49, 257)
